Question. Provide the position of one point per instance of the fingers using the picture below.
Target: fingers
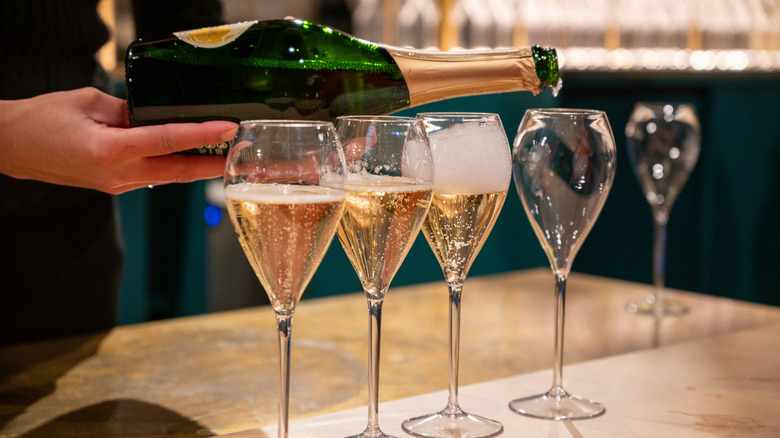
(163, 170)
(182, 169)
(149, 141)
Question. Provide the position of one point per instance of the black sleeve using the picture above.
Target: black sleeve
(157, 18)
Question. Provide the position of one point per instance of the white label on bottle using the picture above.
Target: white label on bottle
(217, 36)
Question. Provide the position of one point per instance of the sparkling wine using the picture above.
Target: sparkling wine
(293, 69)
(381, 219)
(473, 170)
(285, 231)
(457, 226)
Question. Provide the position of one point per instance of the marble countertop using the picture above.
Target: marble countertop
(216, 374)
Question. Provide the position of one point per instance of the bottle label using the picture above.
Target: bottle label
(217, 36)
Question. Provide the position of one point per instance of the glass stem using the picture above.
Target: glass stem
(374, 337)
(284, 327)
(560, 299)
(456, 290)
(659, 263)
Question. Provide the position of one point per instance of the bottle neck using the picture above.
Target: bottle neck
(432, 76)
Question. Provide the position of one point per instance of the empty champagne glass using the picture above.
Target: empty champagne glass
(663, 142)
(283, 191)
(473, 167)
(564, 164)
(389, 184)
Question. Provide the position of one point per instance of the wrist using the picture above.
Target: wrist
(11, 111)
(5, 136)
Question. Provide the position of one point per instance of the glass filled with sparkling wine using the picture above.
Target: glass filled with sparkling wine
(663, 142)
(283, 189)
(564, 165)
(389, 184)
(473, 170)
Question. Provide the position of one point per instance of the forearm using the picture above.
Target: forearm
(10, 111)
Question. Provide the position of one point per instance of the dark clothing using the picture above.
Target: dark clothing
(60, 251)
(151, 21)
(49, 45)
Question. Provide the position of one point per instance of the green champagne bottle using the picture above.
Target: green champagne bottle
(294, 69)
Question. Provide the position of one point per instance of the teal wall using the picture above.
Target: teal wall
(720, 239)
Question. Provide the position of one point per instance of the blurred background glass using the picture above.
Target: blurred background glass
(728, 35)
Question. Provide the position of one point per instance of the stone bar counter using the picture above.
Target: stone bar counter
(216, 374)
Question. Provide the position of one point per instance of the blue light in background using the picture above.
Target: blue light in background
(213, 215)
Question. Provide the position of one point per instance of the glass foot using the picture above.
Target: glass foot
(452, 423)
(659, 310)
(557, 405)
(372, 433)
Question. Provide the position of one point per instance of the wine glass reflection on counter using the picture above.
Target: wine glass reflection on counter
(564, 165)
(389, 184)
(473, 170)
(283, 189)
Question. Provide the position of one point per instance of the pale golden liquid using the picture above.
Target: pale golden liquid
(378, 227)
(457, 226)
(285, 231)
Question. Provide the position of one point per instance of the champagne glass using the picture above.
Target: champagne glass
(389, 184)
(473, 170)
(564, 165)
(663, 141)
(283, 193)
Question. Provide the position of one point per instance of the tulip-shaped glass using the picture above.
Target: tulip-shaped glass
(283, 189)
(564, 164)
(389, 184)
(662, 142)
(473, 169)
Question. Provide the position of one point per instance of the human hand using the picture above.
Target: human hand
(82, 138)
